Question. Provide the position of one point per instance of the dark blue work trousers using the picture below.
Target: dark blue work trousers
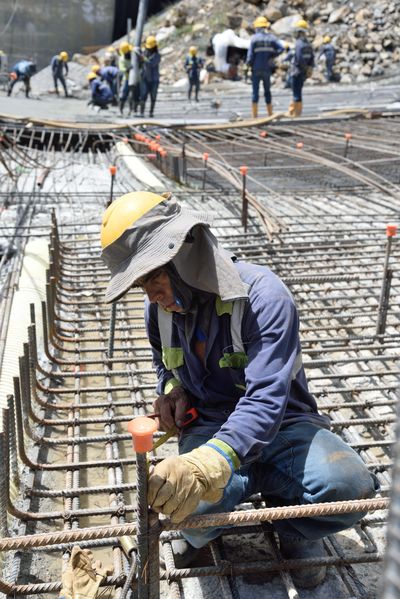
(256, 78)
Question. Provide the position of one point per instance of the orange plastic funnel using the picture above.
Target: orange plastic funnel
(142, 429)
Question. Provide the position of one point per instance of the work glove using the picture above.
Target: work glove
(83, 576)
(177, 484)
(172, 408)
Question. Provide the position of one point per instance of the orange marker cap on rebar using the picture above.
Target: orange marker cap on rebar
(391, 230)
(263, 134)
(205, 156)
(142, 429)
(243, 169)
(299, 145)
(158, 137)
(348, 136)
(113, 170)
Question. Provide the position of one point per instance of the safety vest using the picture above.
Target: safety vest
(173, 357)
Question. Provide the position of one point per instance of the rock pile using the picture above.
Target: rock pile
(364, 34)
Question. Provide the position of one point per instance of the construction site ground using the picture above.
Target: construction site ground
(313, 206)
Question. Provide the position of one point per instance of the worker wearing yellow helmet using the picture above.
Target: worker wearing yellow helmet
(150, 74)
(193, 65)
(59, 68)
(110, 57)
(301, 67)
(328, 52)
(224, 335)
(124, 66)
(101, 94)
(264, 48)
(96, 68)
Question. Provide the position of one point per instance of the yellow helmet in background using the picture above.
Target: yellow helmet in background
(301, 24)
(151, 42)
(110, 49)
(91, 76)
(192, 50)
(125, 211)
(64, 56)
(261, 23)
(96, 68)
(125, 47)
(326, 39)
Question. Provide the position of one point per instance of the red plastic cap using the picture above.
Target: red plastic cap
(263, 134)
(348, 136)
(243, 170)
(113, 170)
(142, 429)
(391, 230)
(205, 156)
(299, 145)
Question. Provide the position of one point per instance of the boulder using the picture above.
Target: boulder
(286, 25)
(339, 14)
(377, 71)
(273, 14)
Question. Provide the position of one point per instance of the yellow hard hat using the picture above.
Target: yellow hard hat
(326, 39)
(151, 42)
(261, 23)
(125, 211)
(91, 76)
(125, 47)
(64, 56)
(96, 68)
(192, 50)
(301, 24)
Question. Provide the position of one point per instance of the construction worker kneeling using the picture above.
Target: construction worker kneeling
(225, 340)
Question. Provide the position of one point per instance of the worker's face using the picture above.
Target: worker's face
(157, 286)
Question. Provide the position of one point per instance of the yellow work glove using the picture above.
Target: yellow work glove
(83, 576)
(178, 484)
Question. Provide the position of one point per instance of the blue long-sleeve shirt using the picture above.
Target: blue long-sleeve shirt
(264, 47)
(245, 407)
(100, 91)
(24, 68)
(58, 66)
(150, 66)
(108, 73)
(303, 57)
(193, 66)
(329, 52)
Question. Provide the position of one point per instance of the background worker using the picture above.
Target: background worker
(301, 66)
(225, 340)
(102, 95)
(193, 66)
(264, 47)
(124, 66)
(150, 75)
(110, 75)
(59, 66)
(329, 53)
(21, 71)
(111, 57)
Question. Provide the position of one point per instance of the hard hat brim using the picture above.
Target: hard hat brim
(149, 243)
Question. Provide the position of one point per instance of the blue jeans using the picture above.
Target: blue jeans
(305, 464)
(256, 78)
(297, 86)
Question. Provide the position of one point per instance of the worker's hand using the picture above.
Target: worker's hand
(83, 575)
(178, 484)
(172, 408)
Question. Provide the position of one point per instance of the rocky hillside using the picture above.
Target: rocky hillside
(366, 34)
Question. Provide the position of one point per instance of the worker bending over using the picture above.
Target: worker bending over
(264, 47)
(21, 71)
(225, 340)
(59, 66)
